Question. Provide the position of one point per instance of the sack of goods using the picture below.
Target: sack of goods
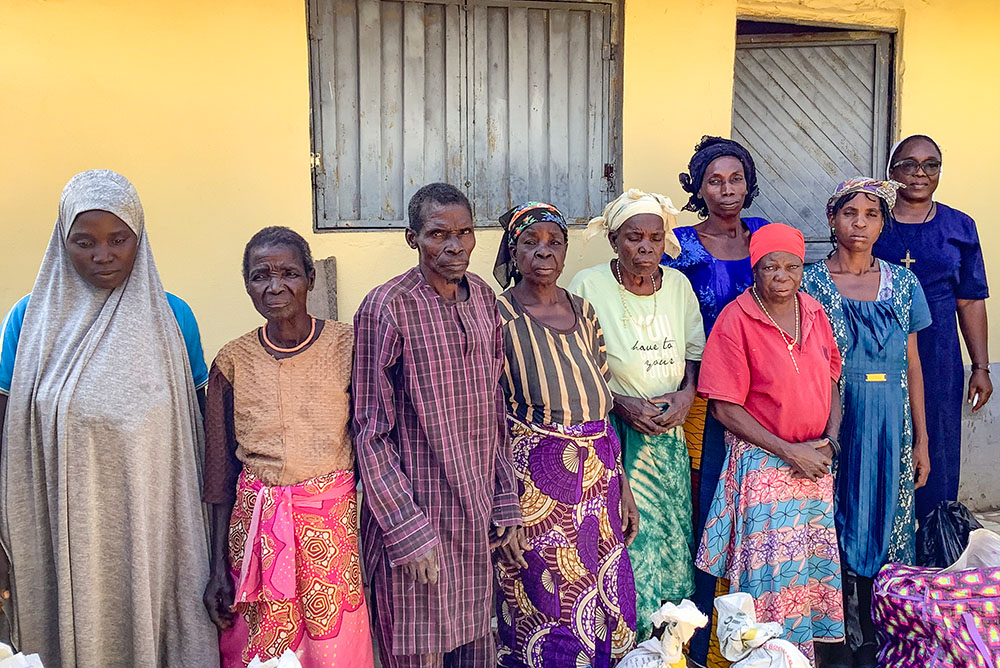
(942, 618)
(749, 644)
(679, 623)
(10, 660)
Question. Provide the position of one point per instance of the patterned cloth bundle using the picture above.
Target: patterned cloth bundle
(930, 618)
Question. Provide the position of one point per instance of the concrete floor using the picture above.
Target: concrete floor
(990, 520)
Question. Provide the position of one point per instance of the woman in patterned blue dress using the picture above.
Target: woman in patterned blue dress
(876, 309)
(715, 256)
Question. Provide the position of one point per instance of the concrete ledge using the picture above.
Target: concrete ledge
(980, 483)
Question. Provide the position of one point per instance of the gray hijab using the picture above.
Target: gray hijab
(100, 468)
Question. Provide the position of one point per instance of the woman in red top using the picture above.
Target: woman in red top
(770, 369)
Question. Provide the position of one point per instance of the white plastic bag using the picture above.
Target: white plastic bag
(749, 644)
(649, 654)
(679, 623)
(10, 660)
(983, 551)
(286, 660)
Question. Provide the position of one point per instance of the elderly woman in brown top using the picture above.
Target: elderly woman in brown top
(279, 475)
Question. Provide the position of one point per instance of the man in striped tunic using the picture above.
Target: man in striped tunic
(432, 445)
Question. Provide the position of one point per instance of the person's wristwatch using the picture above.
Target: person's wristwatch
(834, 444)
(981, 367)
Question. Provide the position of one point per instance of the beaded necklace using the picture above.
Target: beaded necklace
(305, 342)
(784, 337)
(621, 295)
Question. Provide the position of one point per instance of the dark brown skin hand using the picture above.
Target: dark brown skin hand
(809, 460)
(973, 323)
(219, 597)
(979, 384)
(678, 406)
(219, 593)
(501, 536)
(822, 445)
(921, 464)
(630, 513)
(915, 381)
(638, 414)
(424, 570)
(512, 544)
(826, 450)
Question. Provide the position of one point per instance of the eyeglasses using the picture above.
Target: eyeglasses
(931, 166)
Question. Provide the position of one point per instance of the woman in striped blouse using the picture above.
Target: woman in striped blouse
(565, 591)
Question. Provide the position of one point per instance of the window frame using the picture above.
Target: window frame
(613, 119)
(884, 43)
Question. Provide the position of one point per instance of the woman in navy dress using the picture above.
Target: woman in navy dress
(715, 256)
(941, 246)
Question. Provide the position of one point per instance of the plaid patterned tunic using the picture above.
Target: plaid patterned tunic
(433, 451)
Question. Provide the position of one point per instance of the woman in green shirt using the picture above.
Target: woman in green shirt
(654, 336)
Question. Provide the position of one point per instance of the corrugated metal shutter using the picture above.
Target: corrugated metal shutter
(511, 99)
(814, 111)
(541, 79)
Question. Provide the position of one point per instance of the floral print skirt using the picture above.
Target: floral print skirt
(773, 537)
(301, 588)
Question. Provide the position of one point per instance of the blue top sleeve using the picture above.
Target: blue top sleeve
(11, 332)
(971, 270)
(920, 312)
(192, 339)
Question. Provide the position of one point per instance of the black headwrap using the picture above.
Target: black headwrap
(707, 150)
(515, 221)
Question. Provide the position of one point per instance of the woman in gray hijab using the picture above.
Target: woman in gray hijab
(100, 464)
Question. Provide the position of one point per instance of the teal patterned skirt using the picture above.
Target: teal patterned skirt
(659, 471)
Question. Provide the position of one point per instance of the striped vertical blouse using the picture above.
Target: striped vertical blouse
(552, 376)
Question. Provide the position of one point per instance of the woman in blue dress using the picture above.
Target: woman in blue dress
(875, 309)
(941, 246)
(715, 256)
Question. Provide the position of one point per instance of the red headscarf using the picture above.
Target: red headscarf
(776, 237)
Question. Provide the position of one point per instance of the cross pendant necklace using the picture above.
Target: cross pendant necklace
(628, 317)
(908, 260)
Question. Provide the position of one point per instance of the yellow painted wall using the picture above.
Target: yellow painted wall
(204, 104)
